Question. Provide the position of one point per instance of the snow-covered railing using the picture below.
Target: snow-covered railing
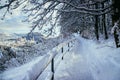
(34, 69)
(61, 48)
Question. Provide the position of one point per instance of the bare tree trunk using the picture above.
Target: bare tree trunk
(96, 24)
(104, 24)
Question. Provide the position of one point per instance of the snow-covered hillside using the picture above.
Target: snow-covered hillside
(24, 53)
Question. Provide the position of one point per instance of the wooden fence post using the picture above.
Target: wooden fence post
(62, 52)
(68, 46)
(52, 69)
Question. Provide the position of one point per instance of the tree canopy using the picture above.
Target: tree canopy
(69, 14)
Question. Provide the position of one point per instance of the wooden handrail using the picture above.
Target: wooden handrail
(33, 72)
(60, 47)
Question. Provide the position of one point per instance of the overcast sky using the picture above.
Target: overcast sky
(13, 23)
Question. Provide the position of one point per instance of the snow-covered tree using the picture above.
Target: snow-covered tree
(71, 14)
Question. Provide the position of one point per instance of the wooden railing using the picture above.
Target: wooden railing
(34, 72)
(61, 48)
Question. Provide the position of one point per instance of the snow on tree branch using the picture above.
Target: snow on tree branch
(41, 12)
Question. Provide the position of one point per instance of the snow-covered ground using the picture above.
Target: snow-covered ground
(89, 60)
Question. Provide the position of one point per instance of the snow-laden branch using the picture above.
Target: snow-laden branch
(40, 12)
(7, 4)
(84, 8)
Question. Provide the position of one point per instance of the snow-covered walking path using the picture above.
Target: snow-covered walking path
(90, 61)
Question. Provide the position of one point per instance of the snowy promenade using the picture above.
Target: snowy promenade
(90, 61)
(74, 67)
